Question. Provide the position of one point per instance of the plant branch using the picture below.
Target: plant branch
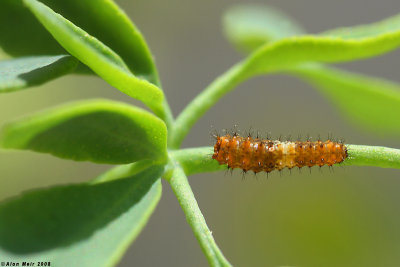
(377, 156)
(198, 160)
(204, 101)
(194, 217)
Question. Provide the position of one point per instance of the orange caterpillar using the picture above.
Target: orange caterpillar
(258, 155)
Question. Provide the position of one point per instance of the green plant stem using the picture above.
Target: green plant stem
(377, 156)
(167, 116)
(180, 185)
(204, 101)
(198, 160)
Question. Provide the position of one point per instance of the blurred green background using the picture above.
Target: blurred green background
(348, 217)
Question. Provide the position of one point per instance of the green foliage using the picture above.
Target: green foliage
(16, 74)
(102, 217)
(89, 224)
(250, 26)
(121, 35)
(294, 50)
(387, 26)
(100, 58)
(371, 102)
(98, 131)
(16, 40)
(281, 55)
(242, 23)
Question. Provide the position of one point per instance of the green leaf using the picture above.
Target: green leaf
(121, 35)
(93, 16)
(370, 102)
(353, 43)
(74, 38)
(388, 25)
(293, 50)
(100, 58)
(21, 34)
(122, 171)
(250, 26)
(78, 225)
(334, 46)
(99, 131)
(16, 74)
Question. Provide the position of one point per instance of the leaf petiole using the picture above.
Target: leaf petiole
(204, 101)
(180, 185)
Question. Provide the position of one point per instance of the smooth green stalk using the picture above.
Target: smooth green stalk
(194, 217)
(377, 156)
(167, 116)
(198, 160)
(204, 101)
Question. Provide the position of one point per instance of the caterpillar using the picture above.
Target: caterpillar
(266, 155)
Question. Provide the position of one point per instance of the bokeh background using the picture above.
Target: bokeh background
(348, 217)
